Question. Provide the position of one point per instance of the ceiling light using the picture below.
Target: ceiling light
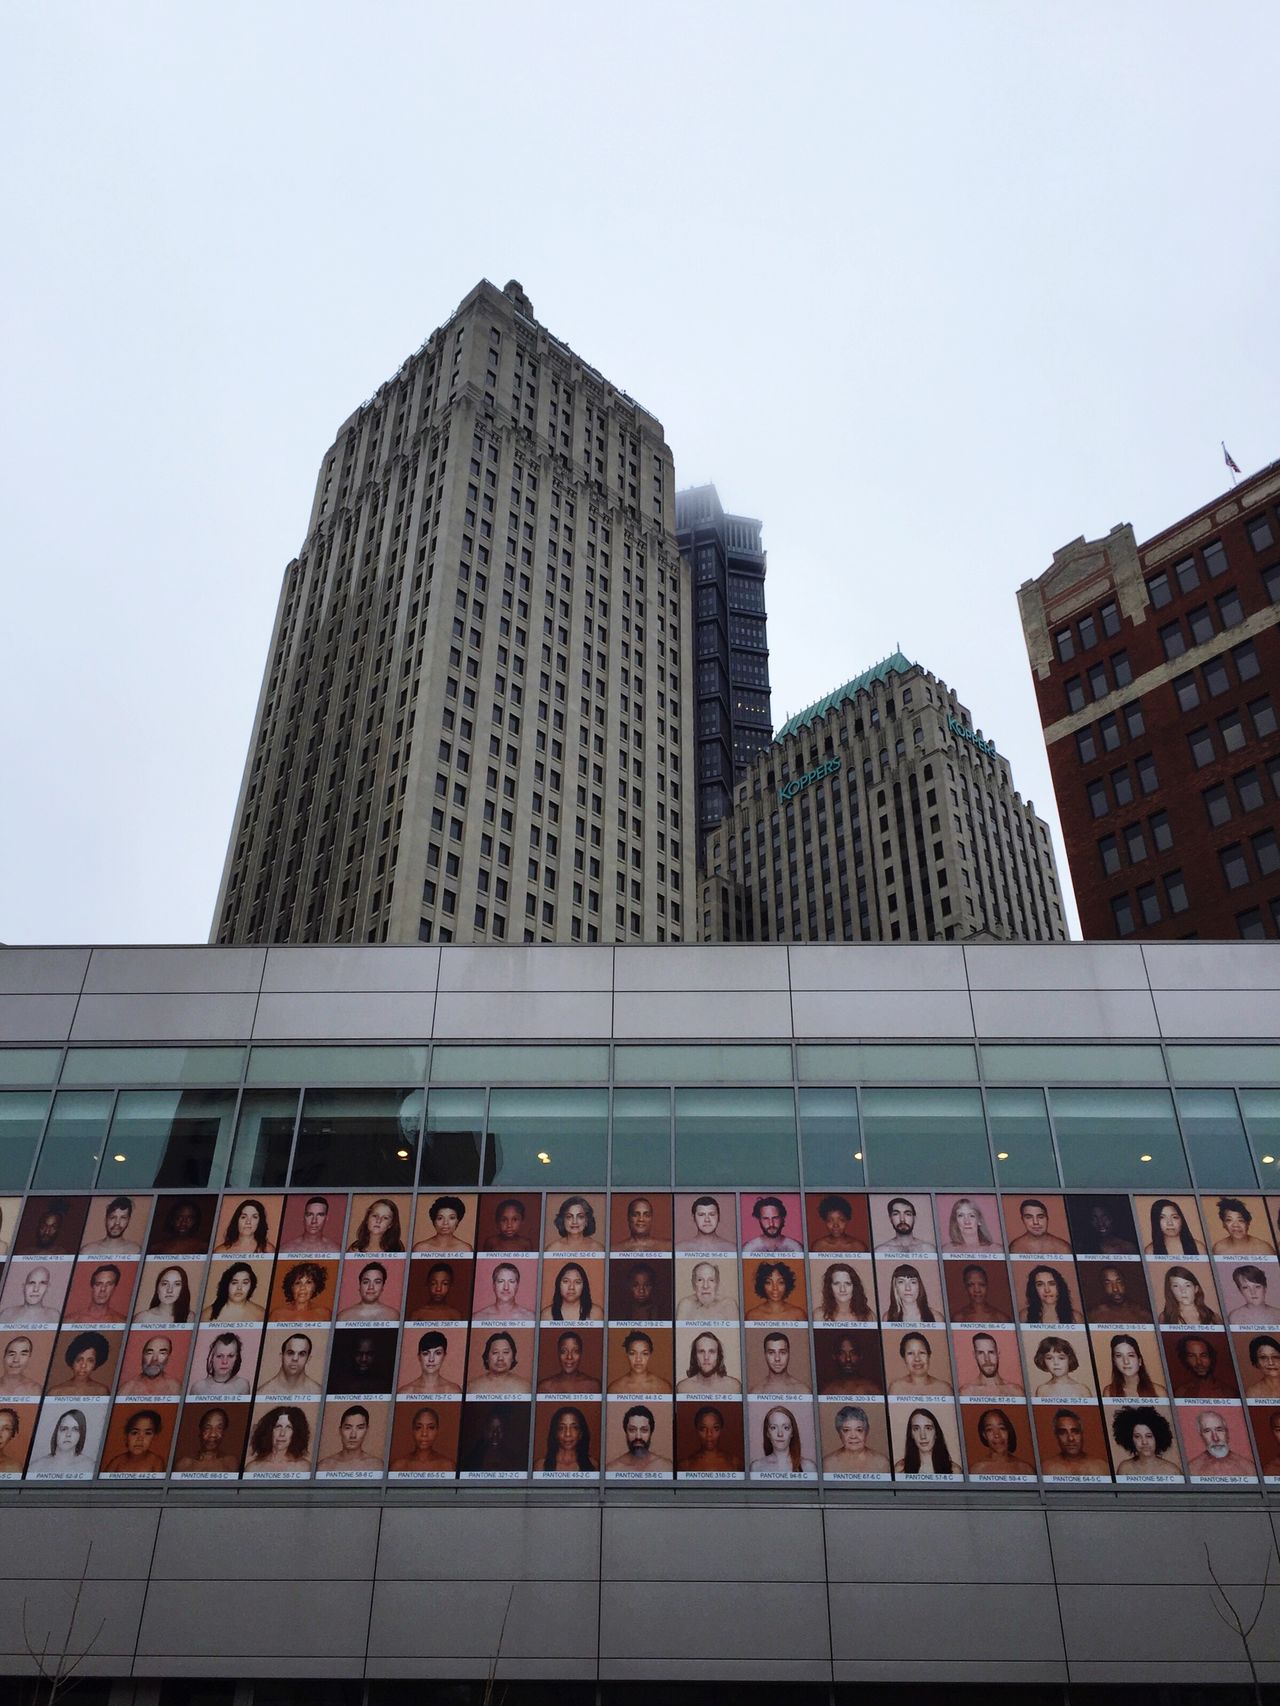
(119, 1157)
(857, 1155)
(1002, 1154)
(544, 1157)
(403, 1154)
(1144, 1158)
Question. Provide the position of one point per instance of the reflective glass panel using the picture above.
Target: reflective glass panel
(1118, 1137)
(35, 1066)
(735, 1137)
(573, 1064)
(264, 1138)
(641, 1137)
(1222, 1063)
(358, 1137)
(403, 1065)
(1261, 1110)
(74, 1141)
(1214, 1135)
(700, 1063)
(546, 1137)
(1021, 1139)
(153, 1066)
(1066, 1063)
(925, 1138)
(166, 1137)
(830, 1138)
(454, 1137)
(909, 1063)
(22, 1115)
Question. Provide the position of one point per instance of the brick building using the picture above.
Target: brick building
(1157, 672)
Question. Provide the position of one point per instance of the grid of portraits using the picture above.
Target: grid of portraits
(719, 1336)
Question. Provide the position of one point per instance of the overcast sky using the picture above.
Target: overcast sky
(932, 289)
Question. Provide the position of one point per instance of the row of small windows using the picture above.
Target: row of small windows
(1107, 734)
(1234, 860)
(1215, 677)
(1148, 904)
(1184, 577)
(1232, 732)
(1135, 836)
(1119, 786)
(1248, 791)
(1084, 634)
(1201, 625)
(1101, 677)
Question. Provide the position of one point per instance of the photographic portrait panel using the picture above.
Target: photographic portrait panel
(424, 1441)
(1199, 1364)
(567, 1441)
(998, 1441)
(224, 1362)
(1169, 1227)
(34, 1291)
(640, 1288)
(1264, 1421)
(1128, 1364)
(917, 1362)
(988, 1367)
(1047, 1293)
(978, 1293)
(445, 1224)
(313, 1225)
(372, 1288)
(854, 1440)
(25, 1355)
(247, 1225)
(379, 1225)
(282, 1442)
(574, 1290)
(640, 1222)
(169, 1292)
(138, 1441)
(1114, 1293)
(778, 1361)
(842, 1290)
(509, 1225)
(154, 1364)
(51, 1226)
(293, 1363)
(10, 1209)
(353, 1440)
(1216, 1442)
(708, 1363)
(775, 1288)
(1057, 1365)
(909, 1291)
(1036, 1225)
(639, 1439)
(1073, 1447)
(1238, 1226)
(772, 1223)
(433, 1363)
(706, 1289)
(440, 1289)
(237, 1289)
(640, 1361)
(706, 1223)
(505, 1289)
(500, 1362)
(15, 1435)
(116, 1227)
(182, 1226)
(1143, 1439)
(570, 1361)
(969, 1224)
(304, 1289)
(211, 1441)
(1184, 1293)
(902, 1224)
(1102, 1225)
(708, 1440)
(839, 1223)
(362, 1362)
(493, 1441)
(66, 1441)
(1249, 1294)
(101, 1292)
(849, 1362)
(576, 1224)
(925, 1441)
(1258, 1361)
(84, 1365)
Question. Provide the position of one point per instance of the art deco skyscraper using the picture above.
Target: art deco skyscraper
(473, 721)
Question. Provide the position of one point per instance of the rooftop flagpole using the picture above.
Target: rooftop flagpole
(1230, 461)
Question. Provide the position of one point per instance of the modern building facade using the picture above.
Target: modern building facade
(865, 1323)
(881, 814)
(731, 686)
(473, 720)
(1157, 673)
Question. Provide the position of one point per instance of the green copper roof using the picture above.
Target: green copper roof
(894, 664)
